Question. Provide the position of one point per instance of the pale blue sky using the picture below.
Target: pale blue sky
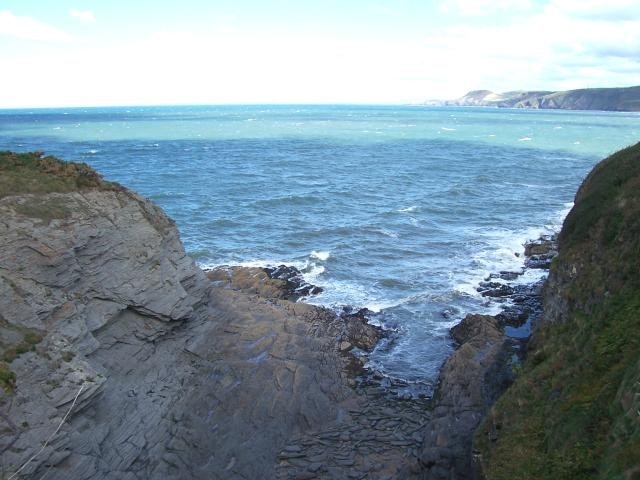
(89, 52)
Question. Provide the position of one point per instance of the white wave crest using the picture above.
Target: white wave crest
(504, 251)
(412, 208)
(338, 293)
(388, 233)
(320, 255)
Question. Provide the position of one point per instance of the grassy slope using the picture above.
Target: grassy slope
(574, 411)
(22, 173)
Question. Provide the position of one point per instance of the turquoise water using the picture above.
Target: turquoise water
(399, 209)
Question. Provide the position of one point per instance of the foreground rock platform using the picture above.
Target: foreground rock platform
(360, 431)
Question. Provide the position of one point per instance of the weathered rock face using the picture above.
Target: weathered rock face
(106, 274)
(173, 378)
(114, 249)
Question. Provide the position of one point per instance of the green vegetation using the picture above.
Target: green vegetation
(574, 411)
(45, 209)
(7, 378)
(67, 355)
(33, 172)
(12, 350)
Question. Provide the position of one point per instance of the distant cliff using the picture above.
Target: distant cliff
(574, 410)
(610, 99)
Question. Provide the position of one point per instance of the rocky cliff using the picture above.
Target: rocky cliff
(574, 410)
(610, 99)
(91, 277)
(122, 360)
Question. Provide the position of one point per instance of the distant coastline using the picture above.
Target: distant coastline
(626, 99)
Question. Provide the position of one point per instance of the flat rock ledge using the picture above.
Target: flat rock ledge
(372, 434)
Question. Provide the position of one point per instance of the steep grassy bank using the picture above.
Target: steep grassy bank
(574, 411)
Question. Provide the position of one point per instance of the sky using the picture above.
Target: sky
(137, 52)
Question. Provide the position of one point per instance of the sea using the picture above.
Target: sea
(399, 209)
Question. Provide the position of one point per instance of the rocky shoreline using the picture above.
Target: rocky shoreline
(122, 359)
(387, 436)
(482, 367)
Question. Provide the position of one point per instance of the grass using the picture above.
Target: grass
(12, 350)
(574, 411)
(7, 378)
(35, 173)
(45, 209)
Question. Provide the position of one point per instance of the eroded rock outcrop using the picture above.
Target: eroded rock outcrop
(98, 283)
(283, 282)
(482, 367)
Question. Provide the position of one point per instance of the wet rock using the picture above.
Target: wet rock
(544, 245)
(461, 398)
(495, 289)
(539, 261)
(541, 252)
(505, 275)
(296, 286)
(359, 332)
(282, 282)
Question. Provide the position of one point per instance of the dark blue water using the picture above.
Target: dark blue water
(399, 209)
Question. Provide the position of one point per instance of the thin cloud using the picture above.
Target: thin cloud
(27, 28)
(85, 16)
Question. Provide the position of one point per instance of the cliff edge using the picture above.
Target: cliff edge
(574, 410)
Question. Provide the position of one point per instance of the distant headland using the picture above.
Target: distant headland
(625, 99)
